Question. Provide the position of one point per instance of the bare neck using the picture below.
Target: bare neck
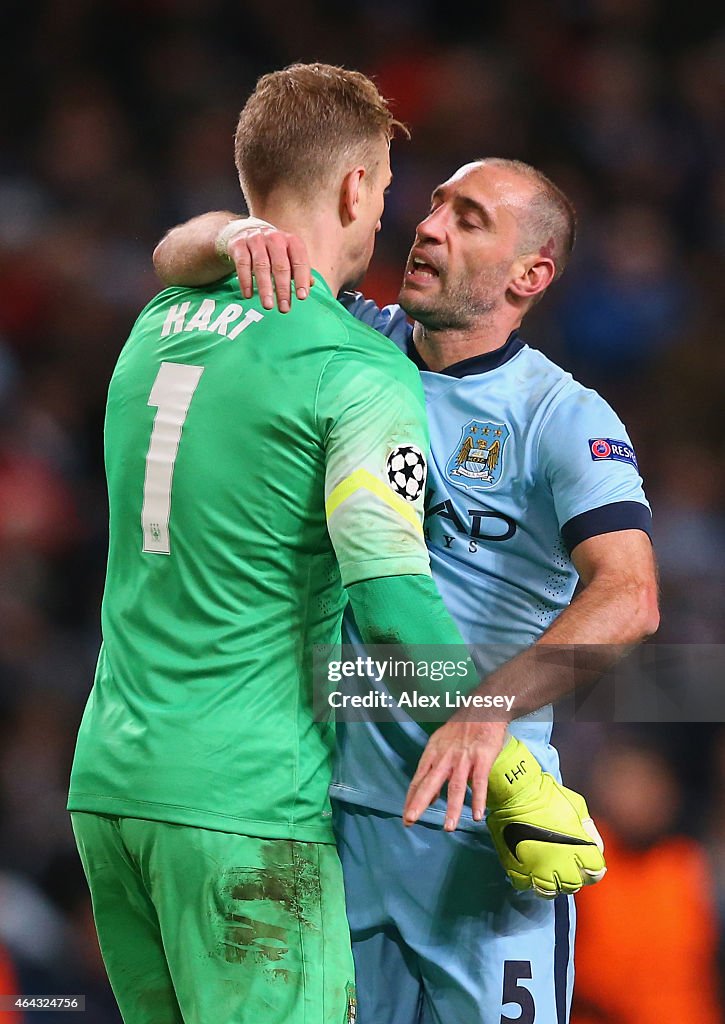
(317, 229)
(442, 348)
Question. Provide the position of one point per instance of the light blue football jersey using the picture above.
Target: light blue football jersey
(525, 464)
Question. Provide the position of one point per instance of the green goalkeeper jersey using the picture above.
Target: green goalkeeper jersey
(256, 464)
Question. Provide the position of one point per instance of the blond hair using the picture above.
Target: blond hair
(301, 124)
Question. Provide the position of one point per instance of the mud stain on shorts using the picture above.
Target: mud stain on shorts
(247, 937)
(284, 888)
(289, 877)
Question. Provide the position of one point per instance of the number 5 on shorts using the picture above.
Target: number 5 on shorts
(517, 994)
(171, 393)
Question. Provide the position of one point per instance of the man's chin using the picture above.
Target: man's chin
(411, 300)
(429, 314)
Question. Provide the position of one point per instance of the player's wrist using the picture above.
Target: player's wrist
(234, 228)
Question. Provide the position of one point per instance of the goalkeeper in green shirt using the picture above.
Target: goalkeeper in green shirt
(245, 494)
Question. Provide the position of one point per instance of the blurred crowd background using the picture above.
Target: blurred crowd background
(116, 124)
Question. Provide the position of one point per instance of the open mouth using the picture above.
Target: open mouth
(419, 270)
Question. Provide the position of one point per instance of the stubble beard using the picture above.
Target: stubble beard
(455, 308)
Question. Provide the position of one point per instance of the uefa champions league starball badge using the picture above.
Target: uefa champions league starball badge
(406, 469)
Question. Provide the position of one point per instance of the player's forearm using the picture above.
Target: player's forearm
(406, 611)
(602, 624)
(402, 610)
(187, 255)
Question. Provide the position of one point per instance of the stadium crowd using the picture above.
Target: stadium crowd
(121, 125)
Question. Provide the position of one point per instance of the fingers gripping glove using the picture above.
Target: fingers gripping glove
(542, 832)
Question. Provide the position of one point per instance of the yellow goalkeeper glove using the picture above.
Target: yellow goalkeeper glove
(543, 833)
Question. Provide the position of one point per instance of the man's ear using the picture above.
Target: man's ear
(350, 195)
(532, 275)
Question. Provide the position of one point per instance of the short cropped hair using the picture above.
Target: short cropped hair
(302, 123)
(550, 215)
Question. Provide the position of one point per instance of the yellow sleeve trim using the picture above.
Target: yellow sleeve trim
(363, 478)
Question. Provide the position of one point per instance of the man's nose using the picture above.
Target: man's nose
(432, 227)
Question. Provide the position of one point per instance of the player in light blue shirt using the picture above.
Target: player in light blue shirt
(526, 465)
(533, 484)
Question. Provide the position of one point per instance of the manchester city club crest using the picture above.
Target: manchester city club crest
(477, 461)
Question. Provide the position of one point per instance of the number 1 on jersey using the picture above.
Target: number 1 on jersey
(171, 393)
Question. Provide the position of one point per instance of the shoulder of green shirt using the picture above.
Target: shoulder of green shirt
(368, 343)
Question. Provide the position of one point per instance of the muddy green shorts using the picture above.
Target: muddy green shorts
(203, 927)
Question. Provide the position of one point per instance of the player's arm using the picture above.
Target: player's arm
(605, 521)
(212, 246)
(187, 255)
(616, 609)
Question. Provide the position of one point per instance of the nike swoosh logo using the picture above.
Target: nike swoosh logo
(518, 831)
